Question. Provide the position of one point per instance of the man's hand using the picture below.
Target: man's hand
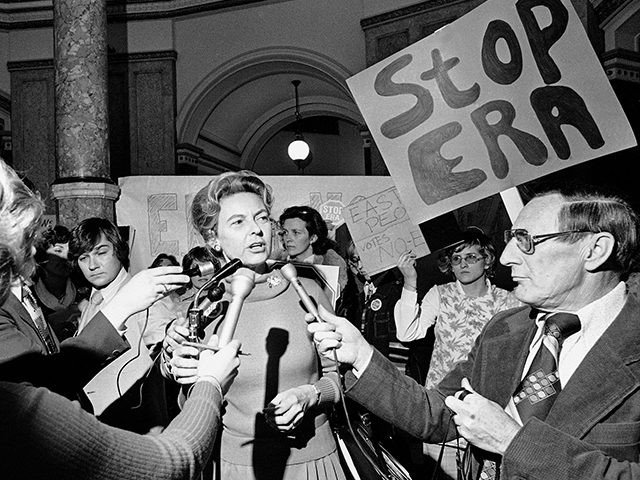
(339, 335)
(145, 288)
(482, 422)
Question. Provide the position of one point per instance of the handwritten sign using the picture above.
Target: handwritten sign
(382, 230)
(157, 207)
(508, 93)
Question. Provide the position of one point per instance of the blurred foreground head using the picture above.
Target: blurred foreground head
(20, 217)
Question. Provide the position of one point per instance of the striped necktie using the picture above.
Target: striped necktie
(38, 319)
(540, 387)
(538, 390)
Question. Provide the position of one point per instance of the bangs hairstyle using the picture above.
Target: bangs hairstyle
(205, 207)
(473, 236)
(86, 235)
(20, 222)
(597, 212)
(315, 226)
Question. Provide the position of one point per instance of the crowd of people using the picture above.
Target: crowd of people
(98, 355)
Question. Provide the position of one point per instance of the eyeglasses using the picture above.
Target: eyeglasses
(469, 259)
(527, 242)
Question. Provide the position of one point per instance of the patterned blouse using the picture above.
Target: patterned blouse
(458, 320)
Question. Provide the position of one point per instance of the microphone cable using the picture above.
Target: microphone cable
(136, 356)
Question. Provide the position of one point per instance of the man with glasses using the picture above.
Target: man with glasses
(550, 390)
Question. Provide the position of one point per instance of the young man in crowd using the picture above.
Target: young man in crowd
(136, 387)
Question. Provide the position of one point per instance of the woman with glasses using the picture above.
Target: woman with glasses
(457, 310)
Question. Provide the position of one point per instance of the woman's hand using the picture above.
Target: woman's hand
(407, 266)
(287, 409)
(184, 364)
(222, 366)
(176, 334)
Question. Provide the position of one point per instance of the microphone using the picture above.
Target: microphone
(207, 268)
(196, 323)
(226, 270)
(195, 312)
(241, 285)
(289, 272)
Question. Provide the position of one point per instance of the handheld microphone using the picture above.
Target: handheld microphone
(213, 295)
(289, 272)
(241, 285)
(224, 272)
(207, 268)
(195, 314)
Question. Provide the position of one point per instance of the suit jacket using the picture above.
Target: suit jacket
(592, 430)
(24, 356)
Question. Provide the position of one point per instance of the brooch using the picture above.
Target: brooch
(273, 281)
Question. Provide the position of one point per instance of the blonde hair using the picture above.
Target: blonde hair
(20, 214)
(205, 208)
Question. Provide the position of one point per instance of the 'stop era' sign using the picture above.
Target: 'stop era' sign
(509, 92)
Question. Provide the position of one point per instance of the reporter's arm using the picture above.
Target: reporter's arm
(82, 447)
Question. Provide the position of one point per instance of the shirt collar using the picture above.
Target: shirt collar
(596, 317)
(16, 290)
(110, 290)
(463, 295)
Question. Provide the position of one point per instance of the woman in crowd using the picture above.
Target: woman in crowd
(306, 239)
(53, 287)
(164, 260)
(43, 435)
(274, 426)
(457, 310)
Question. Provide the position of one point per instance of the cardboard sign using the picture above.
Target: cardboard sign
(508, 93)
(156, 208)
(382, 230)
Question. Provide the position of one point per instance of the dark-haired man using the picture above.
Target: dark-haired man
(126, 393)
(102, 255)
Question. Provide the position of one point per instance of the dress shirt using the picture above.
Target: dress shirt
(159, 314)
(595, 318)
(107, 293)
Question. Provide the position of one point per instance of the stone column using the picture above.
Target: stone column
(83, 187)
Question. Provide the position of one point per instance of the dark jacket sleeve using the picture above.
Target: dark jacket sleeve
(67, 371)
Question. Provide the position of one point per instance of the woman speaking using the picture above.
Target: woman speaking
(274, 426)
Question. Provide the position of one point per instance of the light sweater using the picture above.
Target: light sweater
(273, 331)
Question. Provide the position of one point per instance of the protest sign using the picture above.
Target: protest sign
(382, 230)
(156, 208)
(510, 92)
